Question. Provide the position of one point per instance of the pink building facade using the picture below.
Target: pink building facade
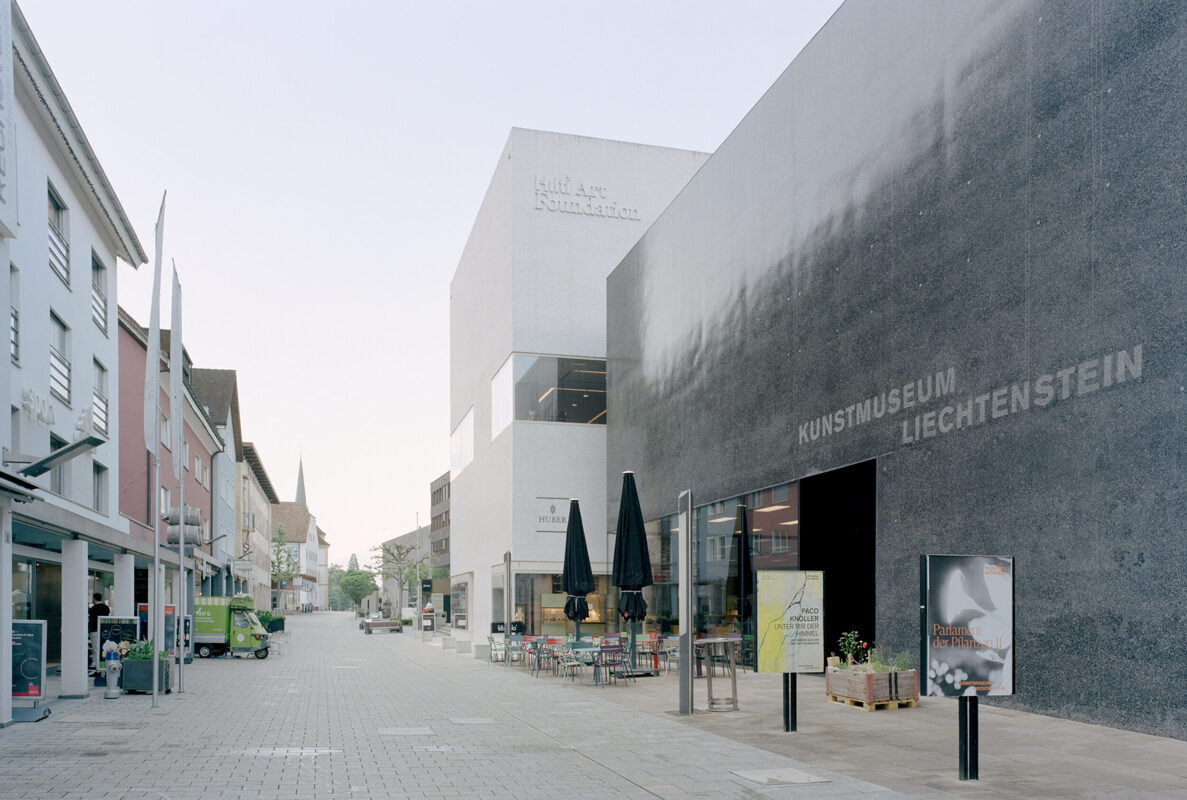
(139, 498)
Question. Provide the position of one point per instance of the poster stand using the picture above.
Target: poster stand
(966, 616)
(28, 669)
(790, 629)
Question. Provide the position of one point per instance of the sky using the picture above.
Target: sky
(324, 163)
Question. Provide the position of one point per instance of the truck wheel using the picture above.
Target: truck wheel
(204, 651)
(262, 653)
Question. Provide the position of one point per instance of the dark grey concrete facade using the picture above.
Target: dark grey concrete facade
(971, 215)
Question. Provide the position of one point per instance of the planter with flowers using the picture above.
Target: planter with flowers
(867, 680)
(136, 668)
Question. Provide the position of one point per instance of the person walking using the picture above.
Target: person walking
(98, 609)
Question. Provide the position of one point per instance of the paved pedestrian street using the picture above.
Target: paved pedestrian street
(345, 715)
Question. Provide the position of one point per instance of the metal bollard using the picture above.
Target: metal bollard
(112, 668)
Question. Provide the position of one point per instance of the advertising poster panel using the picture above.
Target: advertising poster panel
(790, 621)
(28, 658)
(170, 624)
(187, 645)
(118, 629)
(968, 635)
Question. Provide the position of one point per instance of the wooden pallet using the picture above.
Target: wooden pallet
(872, 706)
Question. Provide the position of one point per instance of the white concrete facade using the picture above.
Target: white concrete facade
(63, 234)
(560, 213)
(254, 499)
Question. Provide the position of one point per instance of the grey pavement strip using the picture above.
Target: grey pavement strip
(405, 731)
(779, 777)
(472, 720)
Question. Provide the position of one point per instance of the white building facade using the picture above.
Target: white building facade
(527, 366)
(63, 232)
(255, 499)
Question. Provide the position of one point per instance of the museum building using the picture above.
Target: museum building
(930, 297)
(528, 368)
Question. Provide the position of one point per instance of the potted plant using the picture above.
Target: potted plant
(869, 680)
(136, 667)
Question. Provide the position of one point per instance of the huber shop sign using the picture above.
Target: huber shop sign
(552, 514)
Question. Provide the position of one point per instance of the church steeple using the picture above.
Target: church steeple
(301, 481)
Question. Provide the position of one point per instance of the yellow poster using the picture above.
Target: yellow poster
(790, 621)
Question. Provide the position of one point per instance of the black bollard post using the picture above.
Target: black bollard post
(968, 738)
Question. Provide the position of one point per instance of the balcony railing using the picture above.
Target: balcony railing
(99, 308)
(99, 411)
(59, 376)
(59, 254)
(14, 333)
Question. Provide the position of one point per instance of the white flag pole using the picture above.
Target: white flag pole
(152, 440)
(177, 407)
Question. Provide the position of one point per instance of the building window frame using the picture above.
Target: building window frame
(59, 235)
(99, 477)
(59, 476)
(100, 406)
(59, 358)
(99, 306)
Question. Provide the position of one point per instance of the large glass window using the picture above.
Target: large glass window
(539, 604)
(459, 603)
(551, 389)
(721, 608)
(461, 445)
(502, 391)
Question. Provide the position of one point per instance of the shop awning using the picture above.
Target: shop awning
(17, 488)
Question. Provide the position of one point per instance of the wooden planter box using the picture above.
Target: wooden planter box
(136, 675)
(871, 690)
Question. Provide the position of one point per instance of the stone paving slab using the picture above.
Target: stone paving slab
(299, 725)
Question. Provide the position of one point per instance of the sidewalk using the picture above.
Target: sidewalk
(345, 715)
(915, 750)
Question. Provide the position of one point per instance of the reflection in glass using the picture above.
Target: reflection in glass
(773, 516)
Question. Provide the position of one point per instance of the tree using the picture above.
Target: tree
(397, 562)
(284, 566)
(357, 584)
(353, 563)
(337, 599)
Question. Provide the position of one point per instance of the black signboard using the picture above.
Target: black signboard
(426, 586)
(118, 629)
(28, 658)
(517, 627)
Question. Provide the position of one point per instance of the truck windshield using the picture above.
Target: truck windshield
(254, 619)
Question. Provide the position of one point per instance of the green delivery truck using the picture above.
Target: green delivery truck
(223, 624)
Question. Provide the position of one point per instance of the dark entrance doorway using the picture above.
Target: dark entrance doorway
(837, 517)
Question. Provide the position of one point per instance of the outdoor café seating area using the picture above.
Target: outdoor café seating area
(604, 659)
